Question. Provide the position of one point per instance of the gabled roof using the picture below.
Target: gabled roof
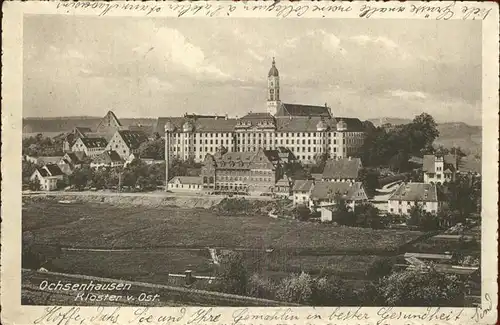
(415, 192)
(328, 190)
(286, 109)
(261, 161)
(133, 139)
(342, 168)
(303, 185)
(76, 157)
(94, 142)
(107, 157)
(196, 180)
(82, 130)
(53, 170)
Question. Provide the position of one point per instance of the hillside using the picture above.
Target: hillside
(467, 137)
(64, 124)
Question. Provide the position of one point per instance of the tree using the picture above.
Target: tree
(302, 213)
(296, 289)
(342, 213)
(369, 178)
(413, 287)
(81, 177)
(422, 219)
(34, 184)
(464, 196)
(153, 149)
(368, 216)
(232, 275)
(28, 168)
(425, 128)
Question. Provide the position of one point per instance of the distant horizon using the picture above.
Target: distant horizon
(156, 117)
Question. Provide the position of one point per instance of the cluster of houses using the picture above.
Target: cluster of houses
(111, 145)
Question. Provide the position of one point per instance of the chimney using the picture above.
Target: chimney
(349, 158)
(226, 117)
(189, 276)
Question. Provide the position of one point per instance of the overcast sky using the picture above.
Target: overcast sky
(165, 67)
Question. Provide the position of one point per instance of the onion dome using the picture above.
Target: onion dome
(187, 127)
(169, 127)
(341, 125)
(321, 126)
(273, 72)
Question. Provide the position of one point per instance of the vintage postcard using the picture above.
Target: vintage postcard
(249, 162)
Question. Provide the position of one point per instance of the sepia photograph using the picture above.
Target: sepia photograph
(251, 162)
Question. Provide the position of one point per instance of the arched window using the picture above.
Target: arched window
(211, 179)
(204, 179)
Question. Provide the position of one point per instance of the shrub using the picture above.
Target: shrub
(416, 288)
(261, 287)
(295, 288)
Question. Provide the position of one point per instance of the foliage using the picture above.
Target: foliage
(295, 170)
(232, 275)
(37, 256)
(178, 167)
(369, 178)
(34, 185)
(328, 291)
(41, 146)
(28, 168)
(319, 163)
(261, 287)
(416, 288)
(81, 177)
(380, 268)
(302, 213)
(422, 219)
(464, 186)
(153, 149)
(296, 289)
(393, 146)
(342, 213)
(368, 216)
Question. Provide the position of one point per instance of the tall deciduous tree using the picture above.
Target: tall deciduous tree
(232, 274)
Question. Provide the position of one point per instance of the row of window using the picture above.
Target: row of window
(267, 134)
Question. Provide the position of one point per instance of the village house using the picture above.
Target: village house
(91, 146)
(185, 183)
(109, 158)
(283, 187)
(325, 194)
(301, 192)
(70, 138)
(48, 175)
(439, 169)
(410, 194)
(342, 170)
(126, 142)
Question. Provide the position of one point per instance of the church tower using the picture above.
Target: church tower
(273, 89)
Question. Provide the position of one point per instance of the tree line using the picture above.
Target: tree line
(388, 288)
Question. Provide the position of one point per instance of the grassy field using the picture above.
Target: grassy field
(106, 226)
(168, 240)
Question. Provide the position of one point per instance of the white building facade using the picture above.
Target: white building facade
(308, 131)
